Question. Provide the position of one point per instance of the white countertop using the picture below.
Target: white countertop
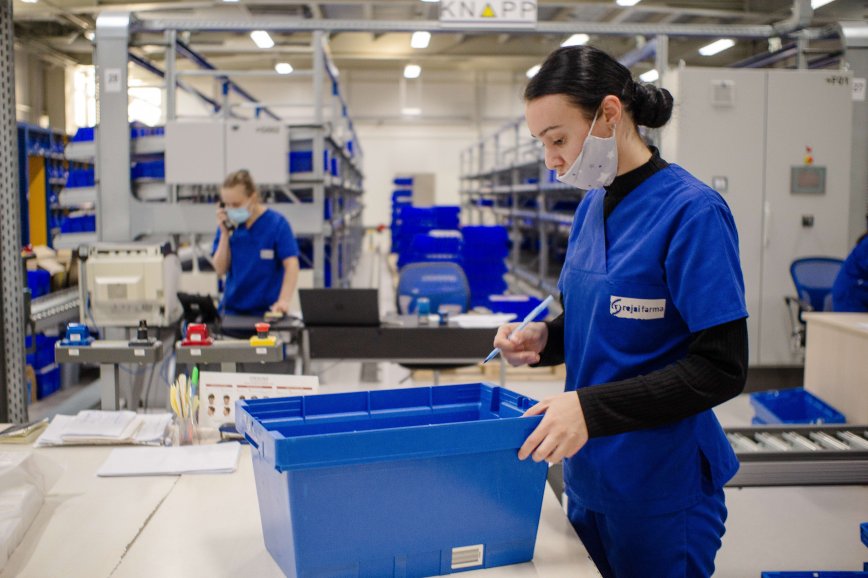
(197, 525)
(852, 322)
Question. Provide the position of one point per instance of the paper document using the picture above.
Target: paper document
(109, 428)
(480, 321)
(169, 461)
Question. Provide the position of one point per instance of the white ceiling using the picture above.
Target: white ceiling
(59, 26)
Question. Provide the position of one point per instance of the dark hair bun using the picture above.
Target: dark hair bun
(650, 106)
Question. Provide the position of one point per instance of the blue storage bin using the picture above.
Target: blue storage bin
(47, 381)
(44, 350)
(300, 161)
(817, 574)
(39, 282)
(864, 531)
(403, 181)
(387, 483)
(84, 134)
(792, 406)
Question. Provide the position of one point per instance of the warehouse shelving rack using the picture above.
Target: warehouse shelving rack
(504, 181)
(41, 174)
(323, 194)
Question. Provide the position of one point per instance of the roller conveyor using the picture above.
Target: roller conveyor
(800, 455)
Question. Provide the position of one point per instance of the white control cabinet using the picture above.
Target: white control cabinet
(746, 133)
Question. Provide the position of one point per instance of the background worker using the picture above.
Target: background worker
(255, 249)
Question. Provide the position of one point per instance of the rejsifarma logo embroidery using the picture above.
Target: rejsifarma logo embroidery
(627, 308)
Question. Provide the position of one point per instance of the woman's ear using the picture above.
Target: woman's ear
(613, 110)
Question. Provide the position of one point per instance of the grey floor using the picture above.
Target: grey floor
(779, 528)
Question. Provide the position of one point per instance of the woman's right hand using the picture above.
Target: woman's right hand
(222, 220)
(525, 346)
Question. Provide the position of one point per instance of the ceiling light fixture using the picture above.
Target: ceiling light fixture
(412, 71)
(420, 39)
(30, 1)
(576, 40)
(531, 72)
(820, 3)
(411, 111)
(650, 76)
(262, 39)
(626, 2)
(283, 68)
(717, 46)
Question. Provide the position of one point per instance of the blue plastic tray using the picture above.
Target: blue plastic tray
(387, 483)
(792, 406)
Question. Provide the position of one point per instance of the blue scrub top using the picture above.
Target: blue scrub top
(663, 266)
(256, 268)
(850, 291)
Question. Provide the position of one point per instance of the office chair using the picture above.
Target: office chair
(444, 284)
(813, 278)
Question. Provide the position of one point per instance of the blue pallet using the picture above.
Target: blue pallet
(386, 483)
(792, 406)
(815, 574)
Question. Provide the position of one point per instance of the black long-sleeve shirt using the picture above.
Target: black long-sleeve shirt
(714, 370)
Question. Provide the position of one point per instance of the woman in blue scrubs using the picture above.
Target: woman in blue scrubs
(255, 249)
(653, 332)
(850, 291)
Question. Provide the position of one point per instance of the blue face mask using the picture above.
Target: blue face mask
(238, 215)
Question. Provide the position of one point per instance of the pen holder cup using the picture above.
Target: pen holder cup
(186, 430)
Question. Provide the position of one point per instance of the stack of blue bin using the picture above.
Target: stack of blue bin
(435, 246)
(402, 196)
(421, 221)
(485, 251)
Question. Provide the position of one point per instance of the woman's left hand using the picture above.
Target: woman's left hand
(562, 431)
(280, 307)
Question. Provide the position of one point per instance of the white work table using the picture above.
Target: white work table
(836, 362)
(197, 525)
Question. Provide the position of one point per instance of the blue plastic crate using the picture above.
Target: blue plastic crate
(387, 483)
(47, 381)
(816, 574)
(864, 531)
(792, 406)
(39, 282)
(44, 350)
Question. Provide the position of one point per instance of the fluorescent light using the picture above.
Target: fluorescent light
(531, 72)
(30, 1)
(420, 39)
(229, 1)
(283, 68)
(412, 71)
(576, 40)
(626, 2)
(262, 39)
(431, 1)
(717, 46)
(650, 76)
(411, 111)
(820, 3)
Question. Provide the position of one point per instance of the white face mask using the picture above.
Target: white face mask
(596, 165)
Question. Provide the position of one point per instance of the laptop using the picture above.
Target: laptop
(340, 307)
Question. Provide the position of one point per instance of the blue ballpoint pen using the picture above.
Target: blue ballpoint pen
(530, 316)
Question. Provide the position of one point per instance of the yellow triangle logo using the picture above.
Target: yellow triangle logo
(488, 12)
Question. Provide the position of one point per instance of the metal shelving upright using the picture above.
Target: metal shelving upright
(504, 181)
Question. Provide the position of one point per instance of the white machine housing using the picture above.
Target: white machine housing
(745, 133)
(123, 284)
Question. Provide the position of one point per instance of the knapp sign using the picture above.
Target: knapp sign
(494, 13)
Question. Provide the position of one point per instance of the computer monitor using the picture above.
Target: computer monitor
(340, 307)
(198, 308)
